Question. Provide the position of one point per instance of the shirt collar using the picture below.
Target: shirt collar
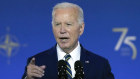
(75, 54)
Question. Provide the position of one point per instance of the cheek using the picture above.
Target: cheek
(75, 34)
(55, 32)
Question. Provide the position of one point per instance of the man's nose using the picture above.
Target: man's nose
(62, 29)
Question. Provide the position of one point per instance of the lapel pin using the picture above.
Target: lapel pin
(86, 61)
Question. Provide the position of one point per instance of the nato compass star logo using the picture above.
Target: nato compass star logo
(9, 45)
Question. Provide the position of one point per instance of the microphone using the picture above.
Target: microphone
(62, 69)
(79, 70)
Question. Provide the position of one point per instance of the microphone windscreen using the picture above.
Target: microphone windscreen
(78, 64)
(79, 70)
(62, 69)
(61, 63)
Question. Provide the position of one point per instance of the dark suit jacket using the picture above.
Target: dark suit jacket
(95, 67)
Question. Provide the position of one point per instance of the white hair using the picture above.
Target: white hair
(69, 5)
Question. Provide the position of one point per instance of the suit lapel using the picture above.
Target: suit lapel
(84, 60)
(54, 61)
(88, 63)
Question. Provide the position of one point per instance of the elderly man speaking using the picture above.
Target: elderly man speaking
(68, 26)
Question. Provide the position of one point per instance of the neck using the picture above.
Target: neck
(68, 50)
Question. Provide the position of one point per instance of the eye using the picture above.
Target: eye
(57, 24)
(69, 24)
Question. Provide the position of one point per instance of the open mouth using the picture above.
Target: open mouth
(62, 38)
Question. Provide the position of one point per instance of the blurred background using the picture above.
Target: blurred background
(112, 30)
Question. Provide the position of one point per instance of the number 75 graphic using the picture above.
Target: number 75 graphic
(126, 40)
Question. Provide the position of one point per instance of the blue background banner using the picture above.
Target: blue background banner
(112, 30)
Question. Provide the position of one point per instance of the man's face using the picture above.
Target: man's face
(66, 28)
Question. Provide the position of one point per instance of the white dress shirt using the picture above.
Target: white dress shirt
(75, 55)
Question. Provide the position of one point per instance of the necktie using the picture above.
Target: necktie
(69, 73)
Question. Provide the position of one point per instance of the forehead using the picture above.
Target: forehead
(68, 9)
(69, 12)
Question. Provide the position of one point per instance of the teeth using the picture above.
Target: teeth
(64, 40)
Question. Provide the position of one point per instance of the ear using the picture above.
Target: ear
(82, 28)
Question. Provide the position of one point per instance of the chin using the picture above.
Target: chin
(64, 46)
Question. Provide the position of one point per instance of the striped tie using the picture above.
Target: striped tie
(69, 73)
